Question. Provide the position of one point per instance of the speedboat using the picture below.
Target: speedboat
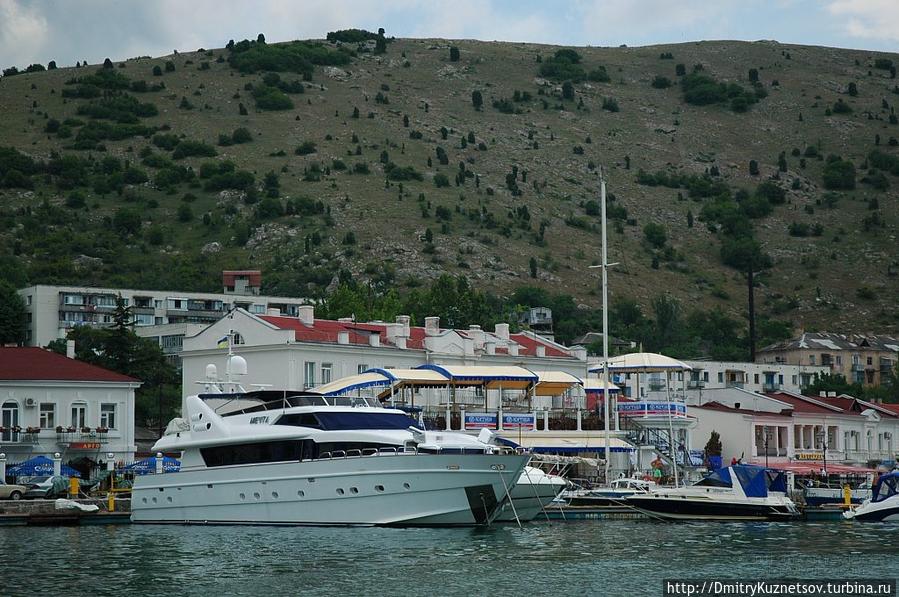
(738, 492)
(535, 490)
(306, 459)
(883, 506)
(614, 495)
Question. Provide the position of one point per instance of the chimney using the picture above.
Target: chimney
(477, 336)
(343, 337)
(70, 349)
(541, 351)
(405, 321)
(306, 314)
(273, 311)
(468, 346)
(374, 340)
(502, 330)
(490, 347)
(394, 331)
(513, 350)
(400, 342)
(831, 394)
(432, 326)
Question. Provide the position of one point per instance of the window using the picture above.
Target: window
(309, 380)
(780, 379)
(159, 320)
(79, 415)
(705, 376)
(839, 361)
(48, 415)
(157, 303)
(28, 300)
(144, 319)
(9, 418)
(756, 379)
(361, 368)
(258, 309)
(106, 300)
(177, 304)
(276, 451)
(870, 361)
(107, 416)
(72, 299)
(721, 377)
(793, 380)
(326, 372)
(811, 359)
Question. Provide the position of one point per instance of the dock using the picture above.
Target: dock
(44, 513)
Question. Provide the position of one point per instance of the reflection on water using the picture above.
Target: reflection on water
(584, 557)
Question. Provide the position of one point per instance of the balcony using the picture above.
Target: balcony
(19, 436)
(695, 384)
(732, 383)
(771, 387)
(73, 435)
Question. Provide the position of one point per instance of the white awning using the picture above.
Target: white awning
(351, 383)
(642, 362)
(567, 443)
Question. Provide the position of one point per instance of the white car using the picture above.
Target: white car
(11, 492)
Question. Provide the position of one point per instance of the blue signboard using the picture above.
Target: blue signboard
(527, 421)
(643, 409)
(480, 420)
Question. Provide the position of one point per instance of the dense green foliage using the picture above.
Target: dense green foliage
(702, 90)
(295, 57)
(12, 315)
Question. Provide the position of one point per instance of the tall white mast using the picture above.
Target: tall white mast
(605, 321)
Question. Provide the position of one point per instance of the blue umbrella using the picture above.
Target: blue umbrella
(148, 465)
(39, 465)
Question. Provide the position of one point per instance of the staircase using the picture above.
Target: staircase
(661, 441)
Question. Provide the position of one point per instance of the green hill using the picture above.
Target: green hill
(160, 172)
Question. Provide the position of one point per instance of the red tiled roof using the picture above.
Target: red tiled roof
(37, 364)
(723, 407)
(890, 407)
(326, 330)
(805, 405)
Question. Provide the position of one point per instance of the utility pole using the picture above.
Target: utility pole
(750, 279)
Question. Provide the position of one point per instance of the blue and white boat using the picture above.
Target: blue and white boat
(738, 492)
(884, 503)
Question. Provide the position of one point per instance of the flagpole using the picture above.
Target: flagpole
(605, 322)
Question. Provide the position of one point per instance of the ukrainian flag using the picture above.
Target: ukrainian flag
(222, 343)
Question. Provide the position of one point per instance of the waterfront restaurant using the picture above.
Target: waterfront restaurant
(54, 404)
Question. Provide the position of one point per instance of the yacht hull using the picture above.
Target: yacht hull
(875, 512)
(698, 509)
(529, 500)
(377, 490)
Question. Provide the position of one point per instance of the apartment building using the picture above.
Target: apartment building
(53, 310)
(865, 359)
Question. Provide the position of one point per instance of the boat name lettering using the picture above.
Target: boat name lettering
(258, 420)
(452, 467)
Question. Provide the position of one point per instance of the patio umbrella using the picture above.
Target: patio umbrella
(148, 465)
(39, 465)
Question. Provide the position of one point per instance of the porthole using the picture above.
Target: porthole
(354, 490)
(274, 495)
(144, 500)
(311, 479)
(301, 493)
(379, 488)
(339, 491)
(256, 495)
(209, 486)
(169, 499)
(199, 416)
(406, 486)
(243, 496)
(208, 426)
(154, 500)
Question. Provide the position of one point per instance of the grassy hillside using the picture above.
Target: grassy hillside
(150, 218)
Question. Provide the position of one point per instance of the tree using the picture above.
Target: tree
(713, 447)
(454, 54)
(157, 71)
(477, 100)
(852, 89)
(12, 315)
(185, 213)
(380, 44)
(655, 235)
(753, 75)
(260, 39)
(567, 90)
(532, 265)
(680, 70)
(107, 63)
(51, 65)
(753, 168)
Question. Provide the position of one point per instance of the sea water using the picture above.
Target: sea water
(626, 557)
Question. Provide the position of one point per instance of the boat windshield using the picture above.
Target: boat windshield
(342, 421)
(887, 486)
(719, 478)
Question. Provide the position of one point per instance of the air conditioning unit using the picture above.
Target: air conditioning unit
(30, 403)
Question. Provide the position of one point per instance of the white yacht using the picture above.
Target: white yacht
(739, 492)
(884, 503)
(302, 458)
(535, 490)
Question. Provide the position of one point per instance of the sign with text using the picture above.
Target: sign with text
(85, 445)
(525, 421)
(649, 409)
(809, 455)
(480, 420)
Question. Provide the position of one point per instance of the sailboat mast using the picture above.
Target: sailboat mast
(605, 322)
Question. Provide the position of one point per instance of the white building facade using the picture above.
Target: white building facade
(52, 310)
(53, 404)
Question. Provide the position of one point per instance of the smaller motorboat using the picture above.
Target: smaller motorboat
(738, 492)
(535, 490)
(614, 495)
(883, 506)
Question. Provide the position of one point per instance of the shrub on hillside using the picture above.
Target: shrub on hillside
(305, 148)
(271, 98)
(660, 82)
(187, 148)
(564, 64)
(838, 174)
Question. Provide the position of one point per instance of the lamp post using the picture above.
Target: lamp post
(766, 445)
(822, 437)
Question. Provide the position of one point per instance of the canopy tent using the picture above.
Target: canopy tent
(554, 383)
(642, 362)
(352, 383)
(510, 378)
(568, 444)
(39, 466)
(148, 465)
(595, 386)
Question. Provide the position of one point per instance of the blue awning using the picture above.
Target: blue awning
(39, 466)
(148, 465)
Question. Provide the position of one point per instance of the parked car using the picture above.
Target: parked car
(47, 487)
(11, 492)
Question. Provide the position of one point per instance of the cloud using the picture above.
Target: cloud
(23, 32)
(869, 19)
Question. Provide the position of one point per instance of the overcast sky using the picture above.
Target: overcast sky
(69, 31)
